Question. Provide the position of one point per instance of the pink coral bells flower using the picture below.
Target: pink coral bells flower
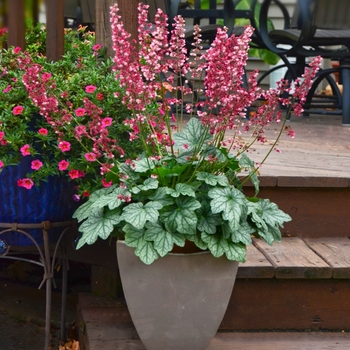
(25, 150)
(90, 157)
(90, 89)
(291, 133)
(64, 146)
(36, 164)
(26, 183)
(17, 110)
(63, 165)
(43, 131)
(80, 112)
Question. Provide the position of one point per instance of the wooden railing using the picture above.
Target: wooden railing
(55, 23)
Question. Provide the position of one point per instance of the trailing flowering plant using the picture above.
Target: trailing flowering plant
(66, 116)
(187, 183)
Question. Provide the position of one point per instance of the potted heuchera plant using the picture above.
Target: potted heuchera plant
(187, 185)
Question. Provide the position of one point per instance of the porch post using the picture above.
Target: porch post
(128, 12)
(54, 29)
(16, 23)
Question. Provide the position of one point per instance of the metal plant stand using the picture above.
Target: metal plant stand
(45, 261)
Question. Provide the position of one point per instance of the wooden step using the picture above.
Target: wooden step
(298, 284)
(108, 327)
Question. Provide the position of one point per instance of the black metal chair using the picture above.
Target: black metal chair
(317, 28)
(195, 14)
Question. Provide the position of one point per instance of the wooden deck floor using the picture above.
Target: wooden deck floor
(321, 148)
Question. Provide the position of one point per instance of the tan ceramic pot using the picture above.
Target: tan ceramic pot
(179, 301)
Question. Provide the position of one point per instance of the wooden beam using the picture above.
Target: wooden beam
(55, 29)
(16, 25)
(103, 25)
(129, 14)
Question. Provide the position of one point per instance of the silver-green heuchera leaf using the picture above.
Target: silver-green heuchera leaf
(137, 214)
(230, 202)
(99, 224)
(193, 135)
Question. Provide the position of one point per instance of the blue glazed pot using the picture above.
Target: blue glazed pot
(51, 201)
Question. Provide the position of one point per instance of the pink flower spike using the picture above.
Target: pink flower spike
(26, 183)
(64, 146)
(80, 112)
(43, 131)
(90, 89)
(63, 165)
(36, 164)
(90, 157)
(25, 150)
(17, 110)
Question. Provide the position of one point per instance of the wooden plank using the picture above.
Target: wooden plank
(335, 251)
(55, 29)
(292, 258)
(16, 21)
(256, 266)
(103, 25)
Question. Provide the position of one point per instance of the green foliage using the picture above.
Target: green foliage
(204, 207)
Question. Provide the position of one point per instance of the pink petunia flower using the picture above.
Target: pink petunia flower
(2, 134)
(100, 96)
(97, 47)
(64, 146)
(43, 131)
(75, 174)
(26, 183)
(36, 164)
(7, 89)
(90, 157)
(1, 164)
(17, 50)
(17, 110)
(63, 165)
(106, 122)
(25, 150)
(46, 76)
(80, 112)
(90, 89)
(106, 184)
